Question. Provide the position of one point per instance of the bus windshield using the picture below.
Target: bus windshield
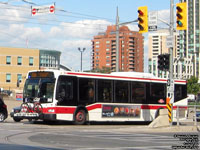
(40, 88)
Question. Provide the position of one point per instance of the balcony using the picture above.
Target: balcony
(131, 56)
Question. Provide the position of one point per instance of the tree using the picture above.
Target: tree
(103, 70)
(192, 86)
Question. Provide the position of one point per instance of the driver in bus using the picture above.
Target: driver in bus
(61, 94)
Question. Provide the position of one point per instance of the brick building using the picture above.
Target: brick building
(131, 50)
(16, 62)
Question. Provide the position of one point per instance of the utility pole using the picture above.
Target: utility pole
(170, 88)
(117, 38)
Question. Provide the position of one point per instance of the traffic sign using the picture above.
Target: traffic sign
(169, 42)
(153, 20)
(46, 9)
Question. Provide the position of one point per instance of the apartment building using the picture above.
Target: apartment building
(158, 45)
(131, 50)
(190, 40)
(16, 62)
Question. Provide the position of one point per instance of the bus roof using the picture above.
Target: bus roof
(131, 76)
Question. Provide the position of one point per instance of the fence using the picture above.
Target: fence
(192, 115)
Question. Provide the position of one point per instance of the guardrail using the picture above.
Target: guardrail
(191, 115)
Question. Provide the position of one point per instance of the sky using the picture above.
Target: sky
(73, 25)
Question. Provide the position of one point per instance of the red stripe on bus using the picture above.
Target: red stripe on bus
(71, 110)
(152, 107)
(94, 107)
(59, 110)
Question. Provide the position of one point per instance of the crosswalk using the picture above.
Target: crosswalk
(135, 141)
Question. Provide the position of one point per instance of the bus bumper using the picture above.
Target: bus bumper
(35, 116)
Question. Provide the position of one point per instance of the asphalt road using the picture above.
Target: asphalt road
(40, 136)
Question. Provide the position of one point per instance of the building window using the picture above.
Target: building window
(30, 61)
(19, 60)
(8, 77)
(19, 77)
(8, 60)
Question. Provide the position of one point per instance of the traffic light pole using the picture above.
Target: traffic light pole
(170, 88)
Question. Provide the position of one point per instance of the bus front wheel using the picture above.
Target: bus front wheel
(80, 117)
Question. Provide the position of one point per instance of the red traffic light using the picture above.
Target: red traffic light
(179, 9)
(140, 13)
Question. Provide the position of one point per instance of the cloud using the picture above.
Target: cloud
(63, 36)
(83, 29)
(163, 15)
(11, 13)
(71, 55)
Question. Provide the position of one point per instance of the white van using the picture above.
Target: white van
(191, 98)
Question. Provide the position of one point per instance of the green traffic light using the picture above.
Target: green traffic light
(180, 24)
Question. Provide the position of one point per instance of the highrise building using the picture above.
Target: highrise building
(190, 39)
(131, 50)
(158, 45)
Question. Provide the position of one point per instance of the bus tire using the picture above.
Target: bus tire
(80, 117)
(158, 112)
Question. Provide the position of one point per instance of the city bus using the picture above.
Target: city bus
(81, 97)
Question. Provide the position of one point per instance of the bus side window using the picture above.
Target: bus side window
(104, 91)
(158, 93)
(138, 92)
(178, 93)
(64, 91)
(86, 90)
(121, 91)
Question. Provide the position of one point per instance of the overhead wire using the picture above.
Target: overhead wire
(20, 8)
(59, 13)
(53, 20)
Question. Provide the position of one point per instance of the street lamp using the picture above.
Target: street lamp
(81, 50)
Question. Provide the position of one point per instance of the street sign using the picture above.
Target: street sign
(169, 42)
(46, 9)
(153, 20)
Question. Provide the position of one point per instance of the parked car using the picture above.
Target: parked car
(3, 110)
(16, 110)
(197, 116)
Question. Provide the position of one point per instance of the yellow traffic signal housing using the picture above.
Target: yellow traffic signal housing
(143, 19)
(181, 16)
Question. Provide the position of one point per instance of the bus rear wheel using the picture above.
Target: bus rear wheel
(80, 117)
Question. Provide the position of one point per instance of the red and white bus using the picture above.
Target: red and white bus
(82, 97)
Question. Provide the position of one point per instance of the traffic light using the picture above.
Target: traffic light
(166, 61)
(181, 16)
(143, 19)
(161, 62)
